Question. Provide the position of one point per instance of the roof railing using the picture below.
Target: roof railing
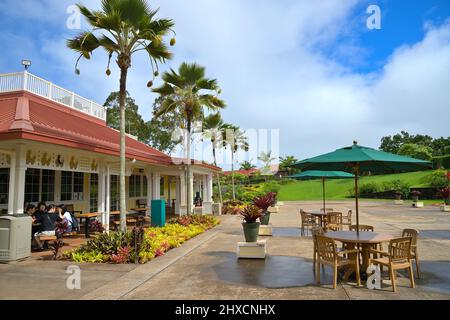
(19, 81)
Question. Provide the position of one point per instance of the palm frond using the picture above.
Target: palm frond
(191, 72)
(164, 90)
(84, 43)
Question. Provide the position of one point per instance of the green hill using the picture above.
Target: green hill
(338, 189)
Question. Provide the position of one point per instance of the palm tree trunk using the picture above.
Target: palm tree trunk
(217, 173)
(232, 175)
(188, 171)
(122, 93)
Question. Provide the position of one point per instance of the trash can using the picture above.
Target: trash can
(158, 210)
(15, 237)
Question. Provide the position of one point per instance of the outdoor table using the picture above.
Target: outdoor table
(365, 239)
(319, 214)
(87, 218)
(140, 210)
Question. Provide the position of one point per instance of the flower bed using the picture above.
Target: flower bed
(141, 245)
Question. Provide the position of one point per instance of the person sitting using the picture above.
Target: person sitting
(41, 208)
(64, 214)
(48, 224)
(31, 211)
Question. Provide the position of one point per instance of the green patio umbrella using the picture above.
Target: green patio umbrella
(359, 159)
(315, 174)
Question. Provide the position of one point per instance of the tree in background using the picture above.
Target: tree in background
(247, 165)
(123, 28)
(266, 158)
(286, 163)
(135, 125)
(188, 92)
(213, 127)
(236, 139)
(416, 151)
(439, 146)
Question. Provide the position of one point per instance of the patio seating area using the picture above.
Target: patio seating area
(206, 267)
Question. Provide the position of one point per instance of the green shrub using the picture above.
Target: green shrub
(441, 162)
(271, 186)
(371, 187)
(437, 179)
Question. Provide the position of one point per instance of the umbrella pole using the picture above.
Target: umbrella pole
(323, 192)
(357, 198)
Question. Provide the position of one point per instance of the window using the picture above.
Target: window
(161, 187)
(4, 186)
(114, 186)
(48, 185)
(134, 186)
(93, 194)
(32, 185)
(66, 185)
(72, 185)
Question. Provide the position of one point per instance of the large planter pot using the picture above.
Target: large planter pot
(415, 198)
(251, 231)
(398, 197)
(265, 218)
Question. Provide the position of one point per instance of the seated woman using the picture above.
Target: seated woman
(41, 208)
(64, 214)
(31, 210)
(48, 224)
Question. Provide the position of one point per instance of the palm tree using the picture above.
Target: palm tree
(236, 140)
(122, 28)
(266, 158)
(188, 92)
(286, 163)
(247, 165)
(212, 130)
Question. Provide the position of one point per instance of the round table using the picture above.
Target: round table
(365, 239)
(319, 214)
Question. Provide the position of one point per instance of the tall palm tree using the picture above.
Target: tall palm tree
(212, 130)
(236, 139)
(122, 28)
(188, 92)
(246, 165)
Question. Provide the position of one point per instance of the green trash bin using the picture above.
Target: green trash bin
(158, 210)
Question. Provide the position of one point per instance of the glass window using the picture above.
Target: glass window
(134, 186)
(93, 195)
(161, 187)
(66, 185)
(48, 185)
(78, 185)
(32, 184)
(4, 186)
(114, 186)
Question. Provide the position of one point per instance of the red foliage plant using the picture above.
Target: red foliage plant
(264, 202)
(122, 256)
(445, 193)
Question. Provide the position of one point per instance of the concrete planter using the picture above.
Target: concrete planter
(398, 201)
(417, 204)
(265, 219)
(217, 209)
(445, 208)
(274, 209)
(251, 231)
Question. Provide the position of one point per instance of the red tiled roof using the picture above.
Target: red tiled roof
(244, 172)
(56, 124)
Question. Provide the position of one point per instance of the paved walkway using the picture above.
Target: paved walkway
(206, 267)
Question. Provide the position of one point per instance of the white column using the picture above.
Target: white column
(207, 194)
(148, 175)
(177, 196)
(19, 183)
(191, 188)
(156, 186)
(12, 176)
(183, 192)
(102, 193)
(205, 191)
(108, 198)
(209, 188)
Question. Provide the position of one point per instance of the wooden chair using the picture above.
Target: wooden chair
(414, 234)
(316, 231)
(327, 209)
(334, 221)
(347, 220)
(328, 254)
(141, 203)
(398, 257)
(362, 227)
(308, 221)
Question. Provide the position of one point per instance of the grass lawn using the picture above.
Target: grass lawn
(338, 189)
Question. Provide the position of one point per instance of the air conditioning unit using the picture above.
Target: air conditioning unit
(15, 237)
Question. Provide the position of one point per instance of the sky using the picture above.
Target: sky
(311, 74)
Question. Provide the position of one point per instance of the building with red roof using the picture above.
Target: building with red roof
(55, 146)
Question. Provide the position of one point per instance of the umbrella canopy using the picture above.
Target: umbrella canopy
(314, 174)
(359, 159)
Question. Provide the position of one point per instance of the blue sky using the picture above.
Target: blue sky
(310, 69)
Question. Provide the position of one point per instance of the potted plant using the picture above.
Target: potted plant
(415, 195)
(445, 195)
(398, 195)
(263, 203)
(250, 214)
